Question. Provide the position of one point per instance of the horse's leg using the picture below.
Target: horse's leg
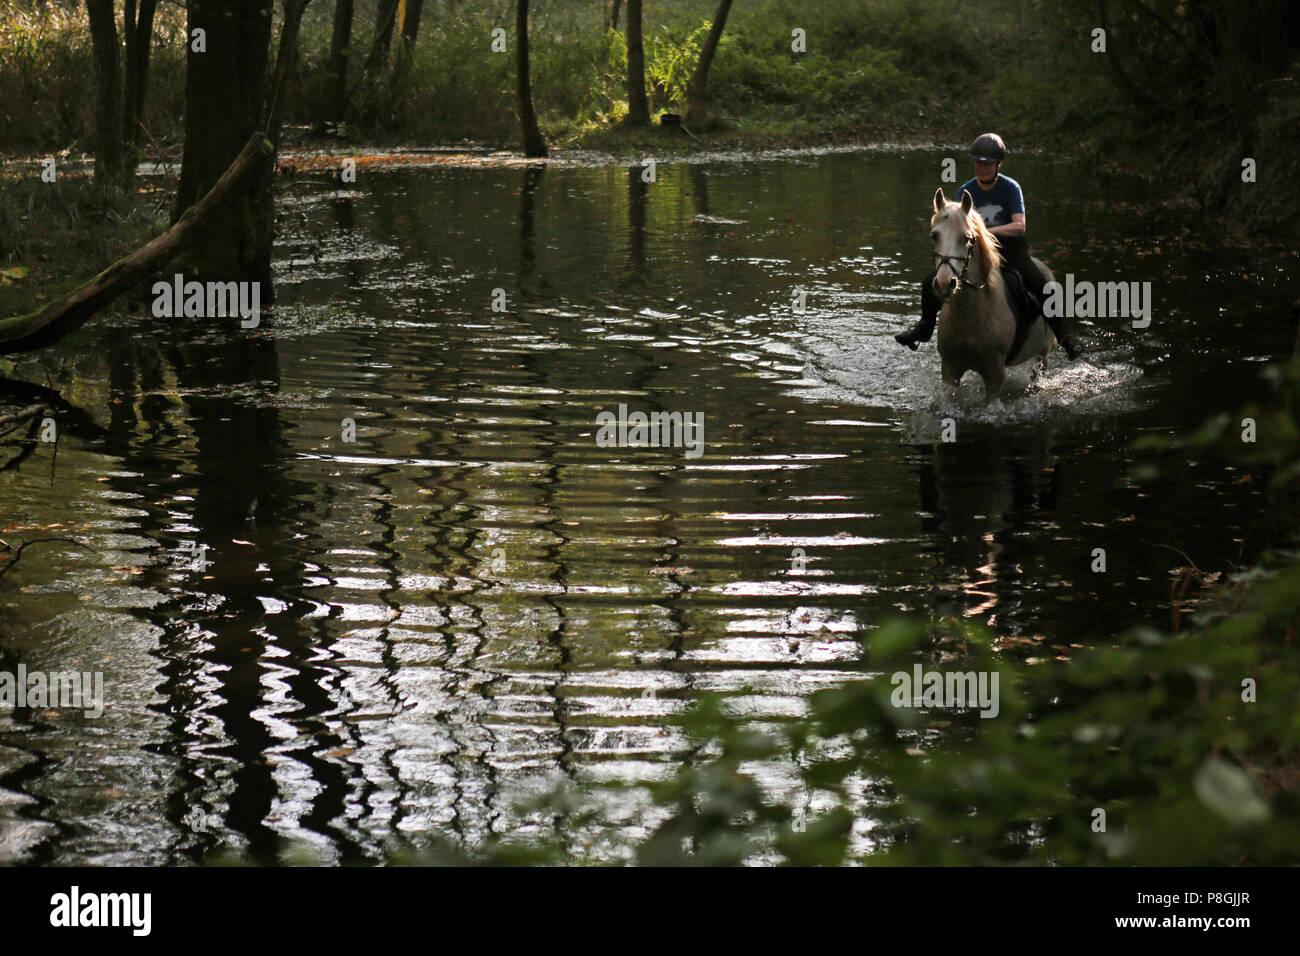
(1040, 367)
(950, 373)
(994, 376)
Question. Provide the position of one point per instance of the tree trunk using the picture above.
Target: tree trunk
(375, 98)
(406, 47)
(130, 68)
(382, 40)
(697, 99)
(46, 326)
(108, 92)
(613, 14)
(411, 22)
(534, 145)
(337, 95)
(286, 64)
(144, 44)
(225, 102)
(638, 110)
(137, 32)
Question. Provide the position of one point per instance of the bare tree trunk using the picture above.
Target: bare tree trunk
(137, 32)
(341, 38)
(130, 67)
(225, 103)
(406, 48)
(382, 41)
(108, 92)
(286, 64)
(697, 99)
(144, 44)
(411, 22)
(638, 110)
(613, 14)
(534, 145)
(375, 97)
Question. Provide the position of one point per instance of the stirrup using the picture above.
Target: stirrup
(907, 338)
(913, 336)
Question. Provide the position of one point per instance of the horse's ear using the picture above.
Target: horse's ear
(966, 201)
(939, 200)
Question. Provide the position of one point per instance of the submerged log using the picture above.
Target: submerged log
(46, 326)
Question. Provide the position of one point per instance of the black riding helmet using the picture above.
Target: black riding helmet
(988, 148)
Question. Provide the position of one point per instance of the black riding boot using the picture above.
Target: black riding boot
(1068, 342)
(923, 330)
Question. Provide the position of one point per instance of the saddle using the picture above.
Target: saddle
(1023, 305)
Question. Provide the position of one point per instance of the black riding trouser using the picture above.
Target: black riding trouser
(1015, 255)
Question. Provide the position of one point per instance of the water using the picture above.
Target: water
(404, 634)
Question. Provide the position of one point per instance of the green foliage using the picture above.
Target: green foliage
(671, 60)
(717, 812)
(868, 63)
(1027, 98)
(1153, 731)
(43, 68)
(46, 68)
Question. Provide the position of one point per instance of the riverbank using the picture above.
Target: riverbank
(54, 236)
(784, 77)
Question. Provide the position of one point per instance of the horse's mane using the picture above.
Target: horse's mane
(990, 251)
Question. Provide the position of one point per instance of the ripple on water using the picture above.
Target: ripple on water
(406, 632)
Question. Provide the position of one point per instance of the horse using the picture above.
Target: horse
(977, 328)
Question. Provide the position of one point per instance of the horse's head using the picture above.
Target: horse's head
(964, 250)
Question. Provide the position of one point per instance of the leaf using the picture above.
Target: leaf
(15, 272)
(1229, 792)
(895, 638)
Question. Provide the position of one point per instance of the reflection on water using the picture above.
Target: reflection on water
(332, 642)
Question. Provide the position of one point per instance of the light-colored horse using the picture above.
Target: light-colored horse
(976, 325)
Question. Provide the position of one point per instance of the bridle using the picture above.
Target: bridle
(965, 265)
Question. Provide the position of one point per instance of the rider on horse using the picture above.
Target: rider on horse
(999, 201)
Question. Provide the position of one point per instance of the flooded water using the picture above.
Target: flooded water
(311, 646)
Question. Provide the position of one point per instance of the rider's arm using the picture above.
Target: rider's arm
(1016, 202)
(1016, 227)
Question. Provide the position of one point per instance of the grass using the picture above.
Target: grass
(65, 232)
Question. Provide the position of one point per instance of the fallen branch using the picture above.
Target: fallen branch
(45, 326)
(9, 422)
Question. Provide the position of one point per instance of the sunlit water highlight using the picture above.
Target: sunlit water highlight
(405, 633)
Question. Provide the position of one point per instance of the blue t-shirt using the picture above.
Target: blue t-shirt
(998, 204)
